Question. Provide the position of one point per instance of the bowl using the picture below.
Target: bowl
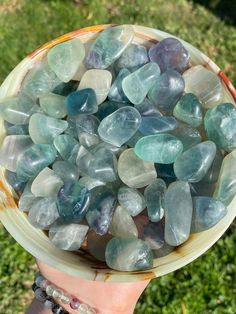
(80, 263)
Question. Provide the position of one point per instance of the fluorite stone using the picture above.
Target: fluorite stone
(14, 181)
(27, 198)
(90, 183)
(11, 149)
(128, 254)
(88, 140)
(71, 129)
(87, 124)
(153, 235)
(132, 58)
(120, 126)
(178, 213)
(220, 126)
(116, 92)
(67, 237)
(131, 200)
(154, 196)
(135, 172)
(202, 188)
(101, 209)
(34, 159)
(108, 46)
(43, 213)
(122, 224)
(159, 148)
(167, 90)
(194, 163)
(80, 72)
(16, 129)
(46, 184)
(97, 244)
(99, 81)
(67, 147)
(166, 172)
(204, 84)
(64, 58)
(213, 172)
(207, 212)
(137, 84)
(64, 89)
(83, 101)
(65, 170)
(44, 129)
(170, 53)
(226, 185)
(157, 124)
(141, 221)
(73, 202)
(107, 108)
(53, 105)
(134, 139)
(188, 110)
(147, 108)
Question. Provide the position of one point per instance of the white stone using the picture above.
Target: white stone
(122, 224)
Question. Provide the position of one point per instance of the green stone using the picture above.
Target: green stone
(107, 108)
(90, 183)
(213, 172)
(27, 198)
(67, 147)
(159, 148)
(66, 170)
(122, 224)
(188, 110)
(16, 129)
(53, 105)
(116, 92)
(131, 200)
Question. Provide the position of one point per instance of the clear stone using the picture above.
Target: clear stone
(122, 224)
(50, 289)
(83, 308)
(53, 105)
(131, 200)
(90, 183)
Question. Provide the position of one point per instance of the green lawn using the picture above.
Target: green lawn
(207, 285)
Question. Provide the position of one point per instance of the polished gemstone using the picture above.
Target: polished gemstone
(27, 198)
(66, 170)
(87, 124)
(53, 105)
(64, 89)
(67, 147)
(107, 108)
(44, 129)
(214, 170)
(116, 92)
(178, 213)
(90, 183)
(108, 46)
(159, 148)
(135, 172)
(153, 234)
(147, 108)
(131, 200)
(12, 179)
(157, 124)
(122, 224)
(88, 140)
(137, 84)
(166, 172)
(97, 244)
(83, 101)
(202, 188)
(134, 139)
(16, 129)
(120, 126)
(194, 163)
(128, 254)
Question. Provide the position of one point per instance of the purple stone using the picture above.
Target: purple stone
(75, 303)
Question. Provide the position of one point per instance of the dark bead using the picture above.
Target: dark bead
(34, 287)
(56, 309)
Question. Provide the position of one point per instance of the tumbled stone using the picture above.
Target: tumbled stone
(99, 81)
(108, 46)
(202, 188)
(87, 124)
(53, 105)
(67, 237)
(132, 58)
(147, 108)
(194, 163)
(141, 221)
(64, 89)
(188, 110)
(64, 58)
(153, 235)
(137, 84)
(131, 200)
(128, 254)
(83, 101)
(204, 84)
(154, 196)
(80, 72)
(134, 139)
(67, 147)
(122, 224)
(43, 213)
(34, 159)
(27, 198)
(220, 126)
(170, 53)
(97, 244)
(214, 170)
(44, 129)
(16, 129)
(120, 126)
(159, 148)
(88, 140)
(65, 170)
(107, 108)
(12, 179)
(167, 90)
(47, 183)
(90, 183)
(71, 129)
(135, 172)
(157, 124)
(116, 92)
(178, 213)
(102, 206)
(207, 212)
(73, 202)
(166, 172)
(11, 149)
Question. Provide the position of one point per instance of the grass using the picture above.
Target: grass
(208, 284)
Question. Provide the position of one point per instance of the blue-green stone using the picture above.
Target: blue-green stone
(159, 148)
(108, 46)
(194, 163)
(220, 126)
(90, 183)
(66, 170)
(153, 234)
(73, 202)
(134, 139)
(101, 209)
(213, 172)
(157, 124)
(131, 200)
(128, 254)
(120, 126)
(188, 109)
(67, 147)
(44, 129)
(34, 159)
(116, 92)
(88, 140)
(202, 188)
(16, 129)
(64, 89)
(107, 108)
(207, 212)
(178, 213)
(87, 124)
(83, 101)
(53, 105)
(137, 84)
(27, 198)
(166, 172)
(147, 108)
(154, 196)
(14, 181)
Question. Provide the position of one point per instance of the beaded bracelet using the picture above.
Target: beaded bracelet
(46, 292)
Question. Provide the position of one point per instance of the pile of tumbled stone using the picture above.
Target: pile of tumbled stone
(121, 148)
